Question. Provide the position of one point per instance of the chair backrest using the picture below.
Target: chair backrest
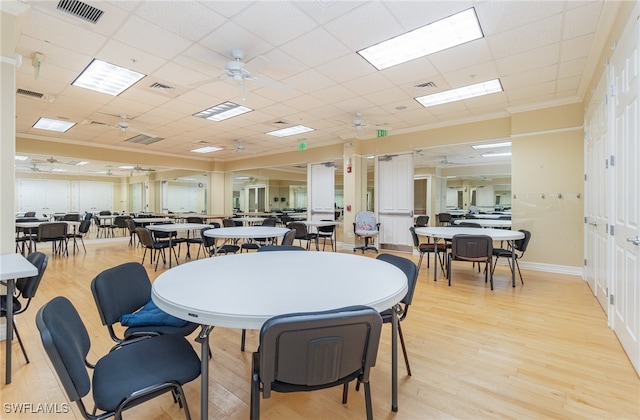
(52, 230)
(471, 247)
(469, 224)
(522, 244)
(422, 221)
(121, 221)
(30, 214)
(414, 236)
(318, 348)
(84, 226)
(444, 218)
(71, 217)
(28, 286)
(289, 237)
(270, 221)
(228, 223)
(131, 225)
(88, 216)
(208, 241)
(266, 248)
(105, 213)
(409, 268)
(120, 290)
(365, 221)
(66, 341)
(326, 229)
(194, 219)
(300, 229)
(144, 235)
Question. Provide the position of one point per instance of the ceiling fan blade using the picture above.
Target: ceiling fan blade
(272, 83)
(256, 63)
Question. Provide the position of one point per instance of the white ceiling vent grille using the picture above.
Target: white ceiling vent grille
(80, 10)
(143, 139)
(426, 85)
(29, 93)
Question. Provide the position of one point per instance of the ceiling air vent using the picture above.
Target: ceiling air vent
(426, 85)
(280, 122)
(29, 93)
(161, 88)
(143, 139)
(80, 10)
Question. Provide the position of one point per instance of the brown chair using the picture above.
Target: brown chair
(149, 243)
(444, 219)
(472, 248)
(422, 221)
(56, 233)
(302, 234)
(427, 248)
(289, 237)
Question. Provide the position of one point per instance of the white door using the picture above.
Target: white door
(394, 204)
(596, 191)
(626, 216)
(322, 191)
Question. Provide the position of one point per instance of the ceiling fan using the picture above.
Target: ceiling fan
(360, 125)
(239, 147)
(141, 169)
(123, 125)
(240, 71)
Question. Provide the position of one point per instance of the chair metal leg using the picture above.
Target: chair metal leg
(404, 349)
(243, 339)
(15, 330)
(367, 400)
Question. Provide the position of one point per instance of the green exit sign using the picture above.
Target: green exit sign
(302, 145)
(382, 133)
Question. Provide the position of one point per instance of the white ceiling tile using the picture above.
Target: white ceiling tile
(264, 20)
(517, 63)
(149, 37)
(501, 16)
(171, 14)
(55, 31)
(571, 68)
(527, 37)
(315, 47)
(581, 20)
(578, 47)
(373, 26)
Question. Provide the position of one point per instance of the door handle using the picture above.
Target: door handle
(635, 241)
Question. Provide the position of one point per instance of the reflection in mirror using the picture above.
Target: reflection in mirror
(463, 178)
(185, 194)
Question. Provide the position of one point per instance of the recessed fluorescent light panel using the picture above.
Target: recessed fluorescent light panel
(126, 167)
(437, 36)
(458, 94)
(58, 170)
(297, 129)
(206, 149)
(53, 125)
(490, 155)
(107, 78)
(223, 111)
(491, 145)
(21, 157)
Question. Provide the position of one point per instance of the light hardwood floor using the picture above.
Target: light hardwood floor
(538, 351)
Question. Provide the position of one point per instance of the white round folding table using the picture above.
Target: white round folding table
(245, 290)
